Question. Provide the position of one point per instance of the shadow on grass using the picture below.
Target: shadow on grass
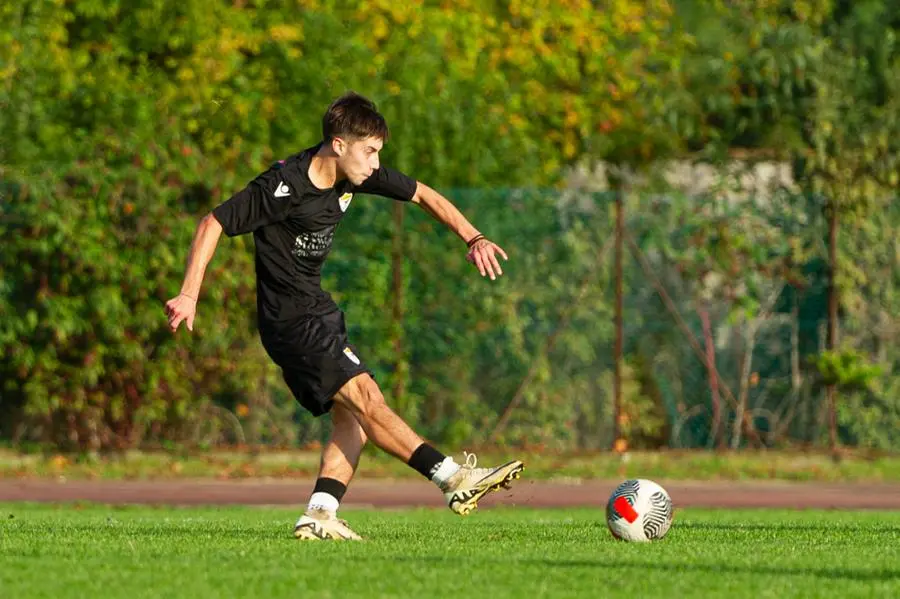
(113, 530)
(845, 574)
(830, 528)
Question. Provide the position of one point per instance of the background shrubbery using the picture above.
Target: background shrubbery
(121, 124)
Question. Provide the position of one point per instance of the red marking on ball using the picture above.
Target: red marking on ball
(624, 509)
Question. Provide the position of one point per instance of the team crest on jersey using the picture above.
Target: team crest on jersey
(349, 353)
(344, 201)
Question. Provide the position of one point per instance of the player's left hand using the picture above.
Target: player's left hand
(483, 254)
(181, 308)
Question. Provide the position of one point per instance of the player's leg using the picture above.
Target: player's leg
(340, 458)
(314, 363)
(362, 397)
(462, 484)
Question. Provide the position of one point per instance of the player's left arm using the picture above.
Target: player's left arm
(482, 251)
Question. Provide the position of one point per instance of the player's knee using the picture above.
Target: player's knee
(361, 395)
(371, 398)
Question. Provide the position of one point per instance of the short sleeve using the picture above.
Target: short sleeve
(265, 200)
(389, 183)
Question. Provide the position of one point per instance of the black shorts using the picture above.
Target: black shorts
(315, 358)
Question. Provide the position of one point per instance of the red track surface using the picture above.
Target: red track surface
(386, 493)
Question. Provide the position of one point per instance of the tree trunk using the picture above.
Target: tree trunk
(831, 340)
(618, 442)
(398, 391)
(716, 439)
(796, 376)
(740, 416)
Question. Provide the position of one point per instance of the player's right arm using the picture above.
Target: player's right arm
(264, 201)
(183, 307)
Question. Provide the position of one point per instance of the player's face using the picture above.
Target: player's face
(357, 159)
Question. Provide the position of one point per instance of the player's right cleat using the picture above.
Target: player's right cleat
(463, 490)
(322, 525)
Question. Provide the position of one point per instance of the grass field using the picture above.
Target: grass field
(673, 465)
(96, 551)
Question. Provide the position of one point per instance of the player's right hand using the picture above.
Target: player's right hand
(483, 254)
(181, 308)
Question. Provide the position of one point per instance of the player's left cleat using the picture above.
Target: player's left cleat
(322, 525)
(463, 490)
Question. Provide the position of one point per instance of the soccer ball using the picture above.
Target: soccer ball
(639, 510)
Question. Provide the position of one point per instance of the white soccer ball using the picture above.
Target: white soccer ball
(639, 510)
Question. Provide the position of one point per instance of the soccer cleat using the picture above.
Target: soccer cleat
(463, 490)
(322, 525)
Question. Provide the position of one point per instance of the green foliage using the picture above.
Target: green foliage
(87, 361)
(750, 71)
(123, 123)
(847, 368)
(871, 418)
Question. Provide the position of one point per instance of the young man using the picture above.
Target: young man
(292, 210)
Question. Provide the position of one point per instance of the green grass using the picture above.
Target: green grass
(96, 551)
(671, 465)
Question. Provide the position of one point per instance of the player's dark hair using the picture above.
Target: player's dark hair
(354, 117)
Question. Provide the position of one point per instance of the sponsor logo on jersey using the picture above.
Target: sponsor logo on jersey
(282, 191)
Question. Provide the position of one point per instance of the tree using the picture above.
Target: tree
(851, 163)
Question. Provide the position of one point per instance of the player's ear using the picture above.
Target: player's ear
(338, 145)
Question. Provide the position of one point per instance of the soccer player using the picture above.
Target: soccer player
(292, 209)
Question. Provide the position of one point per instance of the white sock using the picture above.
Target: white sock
(444, 470)
(323, 501)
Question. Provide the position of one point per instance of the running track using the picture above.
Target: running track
(408, 493)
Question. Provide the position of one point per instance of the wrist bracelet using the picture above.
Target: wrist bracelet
(474, 240)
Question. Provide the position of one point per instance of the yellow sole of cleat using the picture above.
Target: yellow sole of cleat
(506, 483)
(305, 536)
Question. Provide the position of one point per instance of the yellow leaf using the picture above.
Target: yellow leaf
(380, 29)
(285, 33)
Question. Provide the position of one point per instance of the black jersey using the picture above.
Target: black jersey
(293, 224)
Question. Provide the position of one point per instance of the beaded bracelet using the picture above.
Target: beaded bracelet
(474, 240)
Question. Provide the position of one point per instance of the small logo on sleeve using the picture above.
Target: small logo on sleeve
(344, 201)
(349, 353)
(283, 190)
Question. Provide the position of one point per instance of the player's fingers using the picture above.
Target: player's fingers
(501, 252)
(190, 321)
(479, 263)
(175, 321)
(495, 263)
(488, 267)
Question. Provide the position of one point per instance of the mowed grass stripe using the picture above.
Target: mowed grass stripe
(85, 551)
